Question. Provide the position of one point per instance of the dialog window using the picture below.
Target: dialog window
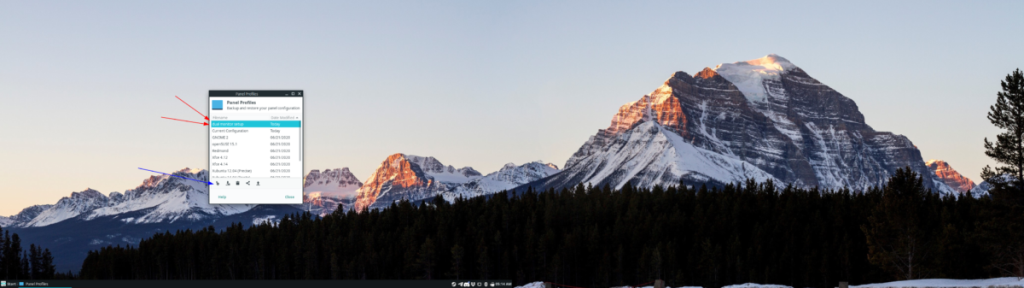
(255, 146)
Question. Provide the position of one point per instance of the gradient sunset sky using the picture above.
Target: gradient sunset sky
(472, 83)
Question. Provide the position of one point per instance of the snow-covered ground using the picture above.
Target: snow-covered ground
(755, 285)
(1005, 282)
(541, 285)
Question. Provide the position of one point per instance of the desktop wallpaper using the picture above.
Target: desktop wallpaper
(587, 143)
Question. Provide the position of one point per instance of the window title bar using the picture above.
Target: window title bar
(255, 93)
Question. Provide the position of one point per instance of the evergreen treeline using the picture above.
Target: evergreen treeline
(597, 237)
(16, 263)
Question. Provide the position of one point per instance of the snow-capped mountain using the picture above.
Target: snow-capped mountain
(334, 183)
(763, 119)
(508, 177)
(88, 220)
(442, 173)
(25, 215)
(949, 176)
(167, 199)
(397, 178)
(69, 207)
(416, 178)
(982, 188)
(159, 199)
(320, 205)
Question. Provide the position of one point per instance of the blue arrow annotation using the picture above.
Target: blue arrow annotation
(207, 182)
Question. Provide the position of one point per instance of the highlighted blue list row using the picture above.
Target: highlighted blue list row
(257, 124)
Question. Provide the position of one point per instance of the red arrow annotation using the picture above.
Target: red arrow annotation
(204, 123)
(193, 109)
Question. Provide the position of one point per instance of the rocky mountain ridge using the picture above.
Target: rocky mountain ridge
(762, 119)
(334, 183)
(416, 178)
(950, 176)
(160, 198)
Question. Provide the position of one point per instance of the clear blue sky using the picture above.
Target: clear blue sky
(473, 83)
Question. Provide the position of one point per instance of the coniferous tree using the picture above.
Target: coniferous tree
(896, 238)
(457, 253)
(13, 251)
(426, 259)
(1007, 114)
(49, 271)
(25, 268)
(35, 262)
(1007, 222)
(589, 236)
(3, 255)
(483, 261)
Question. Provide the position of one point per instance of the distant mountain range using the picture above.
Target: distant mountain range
(88, 220)
(763, 119)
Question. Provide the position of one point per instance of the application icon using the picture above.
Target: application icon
(217, 105)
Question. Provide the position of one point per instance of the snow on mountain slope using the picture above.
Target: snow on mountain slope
(320, 205)
(160, 198)
(334, 183)
(69, 207)
(29, 213)
(508, 177)
(648, 155)
(416, 178)
(169, 199)
(446, 174)
(399, 177)
(982, 188)
(750, 76)
(768, 114)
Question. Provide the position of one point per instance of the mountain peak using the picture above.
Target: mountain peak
(770, 62)
(791, 126)
(87, 193)
(950, 176)
(706, 73)
(190, 170)
(937, 163)
(336, 183)
(398, 172)
(750, 76)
